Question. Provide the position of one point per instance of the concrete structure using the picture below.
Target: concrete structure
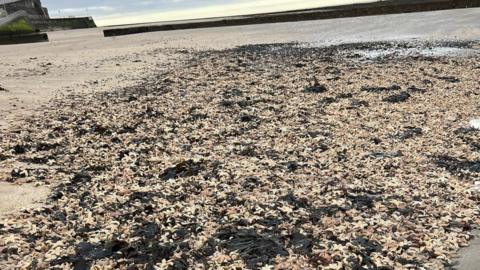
(26, 38)
(33, 8)
(343, 11)
(28, 16)
(58, 24)
(21, 16)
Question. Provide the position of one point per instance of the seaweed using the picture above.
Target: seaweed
(401, 97)
(380, 89)
(255, 249)
(183, 169)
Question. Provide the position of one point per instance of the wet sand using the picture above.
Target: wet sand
(73, 60)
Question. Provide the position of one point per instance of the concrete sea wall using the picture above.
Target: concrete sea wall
(23, 38)
(16, 23)
(356, 10)
(65, 24)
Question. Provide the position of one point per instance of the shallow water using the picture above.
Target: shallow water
(404, 52)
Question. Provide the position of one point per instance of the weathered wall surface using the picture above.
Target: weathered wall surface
(32, 7)
(27, 16)
(27, 38)
(16, 23)
(65, 24)
(17, 17)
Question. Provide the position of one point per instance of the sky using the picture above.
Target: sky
(117, 12)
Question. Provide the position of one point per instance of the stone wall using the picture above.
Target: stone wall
(36, 17)
(65, 24)
(32, 7)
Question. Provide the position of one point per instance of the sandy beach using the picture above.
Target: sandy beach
(337, 144)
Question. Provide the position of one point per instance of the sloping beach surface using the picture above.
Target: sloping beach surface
(193, 150)
(84, 61)
(279, 154)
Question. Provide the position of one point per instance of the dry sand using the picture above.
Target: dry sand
(15, 197)
(85, 62)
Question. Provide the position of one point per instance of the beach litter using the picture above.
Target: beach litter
(475, 124)
(477, 186)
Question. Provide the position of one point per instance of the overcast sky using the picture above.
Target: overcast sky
(113, 12)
